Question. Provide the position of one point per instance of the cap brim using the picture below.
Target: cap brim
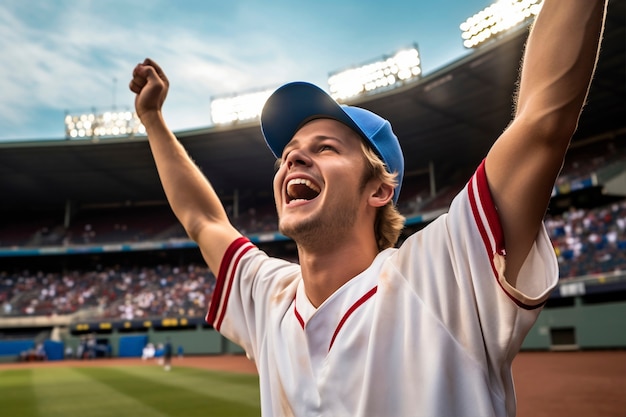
(291, 106)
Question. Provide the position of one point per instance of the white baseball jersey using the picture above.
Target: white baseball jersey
(429, 329)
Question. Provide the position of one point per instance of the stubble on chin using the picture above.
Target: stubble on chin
(303, 233)
(316, 232)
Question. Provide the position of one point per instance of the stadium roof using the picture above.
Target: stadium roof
(448, 119)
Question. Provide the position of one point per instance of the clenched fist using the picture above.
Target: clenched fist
(151, 86)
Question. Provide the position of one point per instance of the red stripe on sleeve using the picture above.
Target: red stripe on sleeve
(229, 282)
(476, 214)
(221, 278)
(479, 182)
(486, 201)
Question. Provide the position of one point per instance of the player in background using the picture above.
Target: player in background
(167, 354)
(359, 327)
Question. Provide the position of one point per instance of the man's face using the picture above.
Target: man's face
(318, 187)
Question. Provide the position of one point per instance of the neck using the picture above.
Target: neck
(325, 270)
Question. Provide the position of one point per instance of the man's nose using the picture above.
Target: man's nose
(297, 157)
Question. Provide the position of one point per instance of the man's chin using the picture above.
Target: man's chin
(297, 230)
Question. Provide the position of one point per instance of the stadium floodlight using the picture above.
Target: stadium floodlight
(496, 19)
(238, 108)
(107, 124)
(386, 73)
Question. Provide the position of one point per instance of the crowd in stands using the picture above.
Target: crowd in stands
(115, 293)
(590, 241)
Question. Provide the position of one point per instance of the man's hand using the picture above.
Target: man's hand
(151, 86)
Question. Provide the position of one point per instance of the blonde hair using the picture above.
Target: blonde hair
(389, 222)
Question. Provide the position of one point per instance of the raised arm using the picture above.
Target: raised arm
(522, 166)
(191, 196)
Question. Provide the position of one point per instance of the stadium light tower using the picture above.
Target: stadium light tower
(107, 124)
(496, 19)
(238, 108)
(386, 73)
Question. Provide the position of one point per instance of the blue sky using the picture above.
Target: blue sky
(77, 55)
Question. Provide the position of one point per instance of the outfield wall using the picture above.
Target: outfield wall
(192, 340)
(583, 313)
(578, 325)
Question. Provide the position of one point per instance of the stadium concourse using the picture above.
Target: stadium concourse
(85, 227)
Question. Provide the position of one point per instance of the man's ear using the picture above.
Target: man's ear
(381, 196)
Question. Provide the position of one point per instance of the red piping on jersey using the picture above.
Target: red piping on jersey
(295, 311)
(479, 181)
(356, 305)
(221, 281)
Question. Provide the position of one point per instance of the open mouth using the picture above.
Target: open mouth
(300, 189)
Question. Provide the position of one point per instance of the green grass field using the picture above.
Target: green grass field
(132, 391)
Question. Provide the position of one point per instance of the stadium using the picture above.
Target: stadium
(91, 252)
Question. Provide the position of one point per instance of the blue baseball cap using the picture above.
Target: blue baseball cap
(296, 103)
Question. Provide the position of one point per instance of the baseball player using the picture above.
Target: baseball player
(359, 327)
(167, 354)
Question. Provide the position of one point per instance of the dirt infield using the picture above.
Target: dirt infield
(572, 384)
(548, 384)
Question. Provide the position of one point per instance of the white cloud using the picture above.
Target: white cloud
(85, 62)
(76, 55)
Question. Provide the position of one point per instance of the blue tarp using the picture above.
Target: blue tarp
(15, 347)
(132, 346)
(54, 350)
